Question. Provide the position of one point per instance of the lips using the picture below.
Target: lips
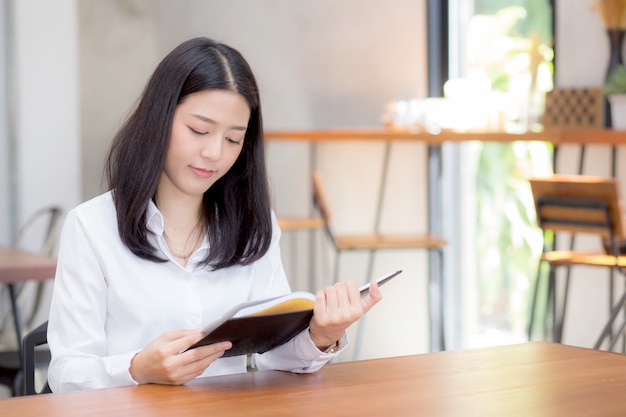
(202, 173)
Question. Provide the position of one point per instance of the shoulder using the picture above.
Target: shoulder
(98, 208)
(94, 220)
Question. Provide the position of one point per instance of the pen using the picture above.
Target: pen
(364, 289)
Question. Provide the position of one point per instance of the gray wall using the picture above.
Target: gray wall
(319, 63)
(118, 51)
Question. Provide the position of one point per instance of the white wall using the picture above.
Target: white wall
(6, 230)
(39, 110)
(46, 107)
(582, 46)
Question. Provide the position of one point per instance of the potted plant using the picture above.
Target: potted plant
(615, 90)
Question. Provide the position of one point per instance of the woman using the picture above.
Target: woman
(185, 233)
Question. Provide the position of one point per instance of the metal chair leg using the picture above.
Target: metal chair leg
(559, 319)
(615, 338)
(609, 325)
(550, 302)
(533, 305)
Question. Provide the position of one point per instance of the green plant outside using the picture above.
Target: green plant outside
(509, 243)
(616, 83)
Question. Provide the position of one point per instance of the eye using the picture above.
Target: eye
(197, 132)
(231, 140)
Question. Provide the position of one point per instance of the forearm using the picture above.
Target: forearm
(82, 372)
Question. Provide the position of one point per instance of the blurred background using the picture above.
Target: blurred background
(71, 70)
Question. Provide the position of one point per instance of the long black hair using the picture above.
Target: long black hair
(237, 207)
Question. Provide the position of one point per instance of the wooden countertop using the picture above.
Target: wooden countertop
(556, 136)
(530, 379)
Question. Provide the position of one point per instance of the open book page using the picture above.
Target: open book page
(295, 301)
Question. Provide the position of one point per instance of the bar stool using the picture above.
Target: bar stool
(578, 204)
(372, 242)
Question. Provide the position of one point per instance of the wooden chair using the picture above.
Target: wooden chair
(578, 204)
(366, 241)
(370, 242)
(295, 223)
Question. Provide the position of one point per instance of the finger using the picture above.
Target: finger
(354, 296)
(195, 361)
(327, 299)
(374, 296)
(180, 340)
(202, 352)
(186, 340)
(191, 363)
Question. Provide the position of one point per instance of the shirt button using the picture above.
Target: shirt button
(194, 320)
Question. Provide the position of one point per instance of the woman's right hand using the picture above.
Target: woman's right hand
(163, 361)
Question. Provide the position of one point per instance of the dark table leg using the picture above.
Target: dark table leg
(16, 318)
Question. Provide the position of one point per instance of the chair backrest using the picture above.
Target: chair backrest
(320, 198)
(32, 358)
(40, 232)
(579, 204)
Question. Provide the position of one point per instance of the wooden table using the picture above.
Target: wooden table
(533, 379)
(18, 266)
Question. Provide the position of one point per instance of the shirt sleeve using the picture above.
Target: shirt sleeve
(76, 327)
(299, 355)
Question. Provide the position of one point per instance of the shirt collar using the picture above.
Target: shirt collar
(155, 224)
(154, 219)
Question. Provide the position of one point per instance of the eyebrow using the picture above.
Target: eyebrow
(208, 120)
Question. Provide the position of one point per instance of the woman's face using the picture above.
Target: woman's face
(207, 137)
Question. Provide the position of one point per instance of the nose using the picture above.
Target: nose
(212, 148)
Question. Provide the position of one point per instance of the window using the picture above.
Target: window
(506, 47)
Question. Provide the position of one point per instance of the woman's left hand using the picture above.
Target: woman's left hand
(336, 308)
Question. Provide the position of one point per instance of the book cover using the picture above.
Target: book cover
(259, 326)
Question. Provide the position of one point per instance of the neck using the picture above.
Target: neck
(184, 228)
(181, 214)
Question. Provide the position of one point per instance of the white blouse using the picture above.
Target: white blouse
(108, 303)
